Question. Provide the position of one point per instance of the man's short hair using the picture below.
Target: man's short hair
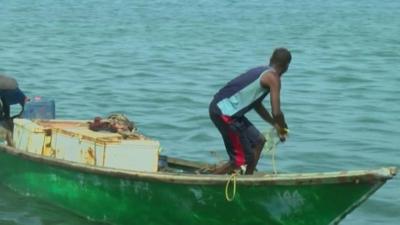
(281, 57)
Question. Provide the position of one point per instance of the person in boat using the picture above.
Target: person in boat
(10, 94)
(243, 142)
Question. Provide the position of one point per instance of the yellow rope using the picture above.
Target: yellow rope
(231, 178)
(270, 146)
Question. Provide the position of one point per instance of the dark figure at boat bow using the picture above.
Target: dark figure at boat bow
(10, 94)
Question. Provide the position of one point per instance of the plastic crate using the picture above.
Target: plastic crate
(39, 109)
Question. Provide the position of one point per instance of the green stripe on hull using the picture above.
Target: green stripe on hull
(128, 201)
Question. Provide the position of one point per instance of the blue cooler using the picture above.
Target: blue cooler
(39, 108)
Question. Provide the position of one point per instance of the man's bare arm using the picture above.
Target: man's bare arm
(264, 114)
(272, 81)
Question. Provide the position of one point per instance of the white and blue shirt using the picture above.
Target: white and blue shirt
(239, 95)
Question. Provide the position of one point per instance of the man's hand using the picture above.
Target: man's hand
(282, 132)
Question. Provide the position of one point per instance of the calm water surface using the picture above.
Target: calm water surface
(160, 62)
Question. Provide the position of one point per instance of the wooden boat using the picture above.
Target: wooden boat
(176, 194)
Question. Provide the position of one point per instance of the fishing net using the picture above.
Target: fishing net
(116, 123)
(272, 140)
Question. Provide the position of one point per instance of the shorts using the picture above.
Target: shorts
(240, 137)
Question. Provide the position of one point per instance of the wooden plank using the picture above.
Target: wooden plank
(187, 163)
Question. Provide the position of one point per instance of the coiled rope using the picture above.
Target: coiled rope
(231, 178)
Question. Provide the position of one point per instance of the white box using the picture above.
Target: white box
(28, 136)
(73, 141)
(105, 149)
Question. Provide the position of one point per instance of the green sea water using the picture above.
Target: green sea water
(160, 62)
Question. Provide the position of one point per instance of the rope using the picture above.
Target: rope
(231, 178)
(270, 146)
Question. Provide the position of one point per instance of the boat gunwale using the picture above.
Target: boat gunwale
(355, 176)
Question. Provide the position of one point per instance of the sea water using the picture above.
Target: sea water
(161, 61)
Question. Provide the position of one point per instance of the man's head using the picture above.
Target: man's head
(7, 83)
(280, 60)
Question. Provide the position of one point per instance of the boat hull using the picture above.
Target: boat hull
(119, 198)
